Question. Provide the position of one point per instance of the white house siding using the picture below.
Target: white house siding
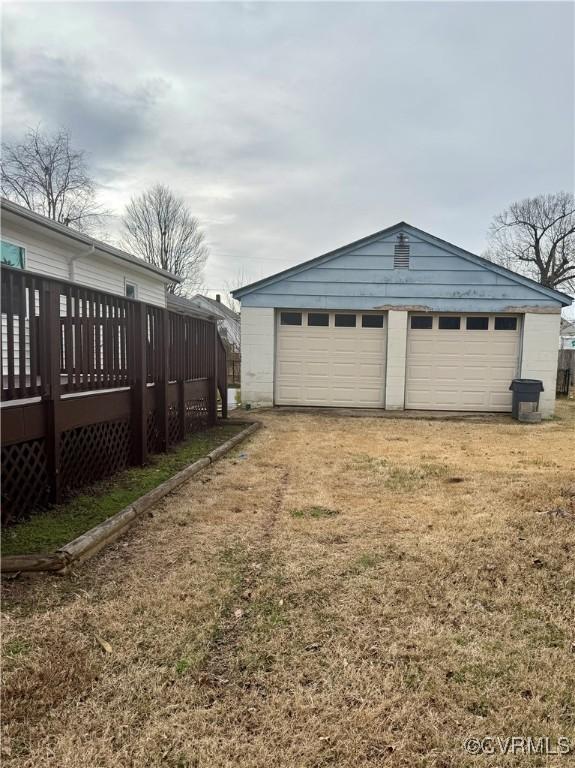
(43, 255)
(258, 351)
(102, 274)
(48, 255)
(539, 355)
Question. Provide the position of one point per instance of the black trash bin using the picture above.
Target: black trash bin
(525, 391)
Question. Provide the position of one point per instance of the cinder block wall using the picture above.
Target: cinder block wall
(258, 350)
(539, 355)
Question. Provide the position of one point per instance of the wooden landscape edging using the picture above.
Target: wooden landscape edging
(88, 544)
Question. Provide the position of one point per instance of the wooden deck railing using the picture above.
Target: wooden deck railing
(161, 372)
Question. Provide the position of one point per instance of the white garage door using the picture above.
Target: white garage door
(330, 358)
(461, 362)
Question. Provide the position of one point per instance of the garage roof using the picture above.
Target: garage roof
(408, 229)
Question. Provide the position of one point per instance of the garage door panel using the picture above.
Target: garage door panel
(461, 369)
(290, 344)
(419, 369)
(501, 400)
(370, 346)
(291, 368)
(335, 366)
(420, 347)
(475, 400)
(371, 371)
(473, 373)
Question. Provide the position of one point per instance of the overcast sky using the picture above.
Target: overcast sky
(292, 129)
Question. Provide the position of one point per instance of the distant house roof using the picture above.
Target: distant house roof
(72, 234)
(217, 306)
(188, 307)
(567, 327)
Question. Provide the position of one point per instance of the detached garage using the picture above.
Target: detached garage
(399, 319)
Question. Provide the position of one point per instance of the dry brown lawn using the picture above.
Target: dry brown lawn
(337, 592)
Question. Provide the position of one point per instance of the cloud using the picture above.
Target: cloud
(294, 128)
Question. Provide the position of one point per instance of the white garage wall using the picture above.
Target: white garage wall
(396, 360)
(258, 352)
(539, 355)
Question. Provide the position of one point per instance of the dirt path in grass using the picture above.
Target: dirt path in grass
(337, 592)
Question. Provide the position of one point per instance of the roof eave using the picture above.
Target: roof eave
(72, 234)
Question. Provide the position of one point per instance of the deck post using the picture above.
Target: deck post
(139, 387)
(213, 401)
(162, 399)
(51, 386)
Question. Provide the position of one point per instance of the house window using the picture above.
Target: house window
(290, 318)
(401, 253)
(372, 321)
(12, 255)
(131, 290)
(318, 318)
(421, 322)
(345, 321)
(449, 323)
(505, 323)
(477, 323)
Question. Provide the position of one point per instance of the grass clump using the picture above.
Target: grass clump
(365, 562)
(409, 478)
(314, 512)
(16, 647)
(182, 666)
(46, 531)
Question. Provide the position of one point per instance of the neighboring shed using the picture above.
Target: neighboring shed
(37, 244)
(399, 319)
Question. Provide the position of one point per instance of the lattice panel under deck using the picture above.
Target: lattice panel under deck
(24, 479)
(153, 432)
(174, 424)
(94, 452)
(197, 414)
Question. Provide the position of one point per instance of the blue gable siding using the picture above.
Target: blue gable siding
(362, 277)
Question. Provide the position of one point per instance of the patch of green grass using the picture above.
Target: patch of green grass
(537, 629)
(478, 708)
(46, 531)
(16, 647)
(182, 666)
(314, 512)
(413, 676)
(366, 462)
(408, 478)
(365, 562)
(479, 675)
(270, 613)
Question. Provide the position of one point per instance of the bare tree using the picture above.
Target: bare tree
(160, 229)
(242, 277)
(536, 237)
(45, 174)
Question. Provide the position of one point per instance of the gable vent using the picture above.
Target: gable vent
(401, 253)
